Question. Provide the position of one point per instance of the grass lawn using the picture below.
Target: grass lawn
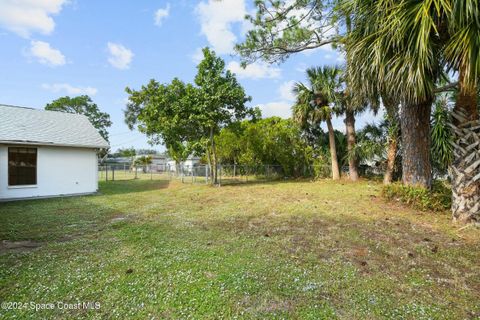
(303, 250)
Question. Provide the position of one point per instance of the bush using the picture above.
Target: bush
(437, 199)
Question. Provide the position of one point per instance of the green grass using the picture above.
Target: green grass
(303, 250)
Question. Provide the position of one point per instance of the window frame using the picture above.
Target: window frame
(9, 167)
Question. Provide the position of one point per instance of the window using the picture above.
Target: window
(22, 166)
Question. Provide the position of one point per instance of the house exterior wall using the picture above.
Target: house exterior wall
(187, 164)
(60, 171)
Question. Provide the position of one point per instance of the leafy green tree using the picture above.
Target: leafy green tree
(85, 106)
(316, 103)
(281, 28)
(143, 161)
(186, 117)
(222, 101)
(166, 113)
(229, 145)
(270, 141)
(442, 139)
(127, 152)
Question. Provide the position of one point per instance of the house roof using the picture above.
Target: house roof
(19, 125)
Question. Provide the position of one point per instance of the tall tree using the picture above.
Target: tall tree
(222, 100)
(164, 112)
(316, 103)
(85, 106)
(186, 117)
(408, 45)
(282, 28)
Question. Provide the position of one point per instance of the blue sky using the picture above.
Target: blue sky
(53, 48)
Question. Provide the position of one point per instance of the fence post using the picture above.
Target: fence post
(106, 173)
(113, 173)
(206, 174)
(220, 176)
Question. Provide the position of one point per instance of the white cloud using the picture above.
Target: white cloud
(256, 70)
(120, 57)
(279, 109)
(217, 19)
(45, 54)
(197, 56)
(24, 17)
(285, 91)
(161, 14)
(69, 89)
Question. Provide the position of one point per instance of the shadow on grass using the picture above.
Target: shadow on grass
(131, 186)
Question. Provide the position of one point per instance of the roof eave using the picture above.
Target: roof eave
(53, 144)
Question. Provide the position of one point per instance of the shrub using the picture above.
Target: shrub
(437, 199)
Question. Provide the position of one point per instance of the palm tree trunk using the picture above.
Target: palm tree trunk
(391, 155)
(415, 126)
(333, 150)
(351, 140)
(465, 168)
(392, 114)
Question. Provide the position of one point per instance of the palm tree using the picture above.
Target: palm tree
(316, 103)
(143, 161)
(405, 46)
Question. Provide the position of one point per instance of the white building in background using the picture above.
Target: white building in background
(187, 164)
(47, 153)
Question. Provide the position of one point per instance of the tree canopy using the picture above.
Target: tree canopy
(185, 117)
(281, 28)
(85, 106)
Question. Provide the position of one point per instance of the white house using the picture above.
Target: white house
(188, 164)
(47, 153)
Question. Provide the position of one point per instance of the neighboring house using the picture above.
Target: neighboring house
(159, 159)
(47, 153)
(188, 164)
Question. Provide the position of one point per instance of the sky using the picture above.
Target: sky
(55, 48)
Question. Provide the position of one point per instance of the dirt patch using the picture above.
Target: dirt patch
(251, 305)
(7, 246)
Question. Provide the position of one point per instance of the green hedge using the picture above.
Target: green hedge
(437, 199)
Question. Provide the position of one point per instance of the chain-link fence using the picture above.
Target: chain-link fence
(203, 174)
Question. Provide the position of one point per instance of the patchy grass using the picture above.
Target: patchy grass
(304, 250)
(438, 199)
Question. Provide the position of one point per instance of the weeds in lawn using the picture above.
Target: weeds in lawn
(304, 250)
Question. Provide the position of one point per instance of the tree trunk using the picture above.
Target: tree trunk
(214, 158)
(466, 100)
(465, 168)
(209, 159)
(392, 114)
(351, 140)
(391, 155)
(333, 150)
(415, 126)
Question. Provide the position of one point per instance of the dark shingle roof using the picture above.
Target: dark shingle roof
(21, 125)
